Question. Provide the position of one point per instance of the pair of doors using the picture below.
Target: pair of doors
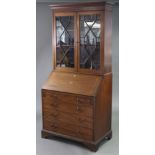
(78, 41)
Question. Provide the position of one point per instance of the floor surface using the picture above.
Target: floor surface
(59, 146)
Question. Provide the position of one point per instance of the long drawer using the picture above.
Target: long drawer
(75, 119)
(68, 129)
(82, 106)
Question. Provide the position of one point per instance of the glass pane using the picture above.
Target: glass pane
(65, 41)
(90, 29)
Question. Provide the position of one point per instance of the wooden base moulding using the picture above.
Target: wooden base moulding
(93, 146)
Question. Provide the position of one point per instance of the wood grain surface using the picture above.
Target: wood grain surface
(73, 83)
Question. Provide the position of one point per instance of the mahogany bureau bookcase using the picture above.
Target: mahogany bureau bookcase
(77, 96)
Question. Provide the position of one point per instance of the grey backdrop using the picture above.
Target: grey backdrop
(44, 67)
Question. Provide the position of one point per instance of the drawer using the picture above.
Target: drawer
(56, 127)
(63, 102)
(58, 97)
(60, 106)
(83, 111)
(68, 118)
(68, 103)
(68, 129)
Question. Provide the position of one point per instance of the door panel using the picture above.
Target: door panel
(65, 35)
(89, 39)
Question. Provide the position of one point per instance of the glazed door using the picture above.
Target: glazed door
(90, 42)
(65, 52)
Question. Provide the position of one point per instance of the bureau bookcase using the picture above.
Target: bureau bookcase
(77, 96)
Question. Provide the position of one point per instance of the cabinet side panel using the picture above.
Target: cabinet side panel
(107, 39)
(103, 108)
(108, 98)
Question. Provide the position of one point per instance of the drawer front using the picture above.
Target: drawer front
(68, 114)
(68, 129)
(59, 101)
(68, 118)
(82, 106)
(59, 97)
